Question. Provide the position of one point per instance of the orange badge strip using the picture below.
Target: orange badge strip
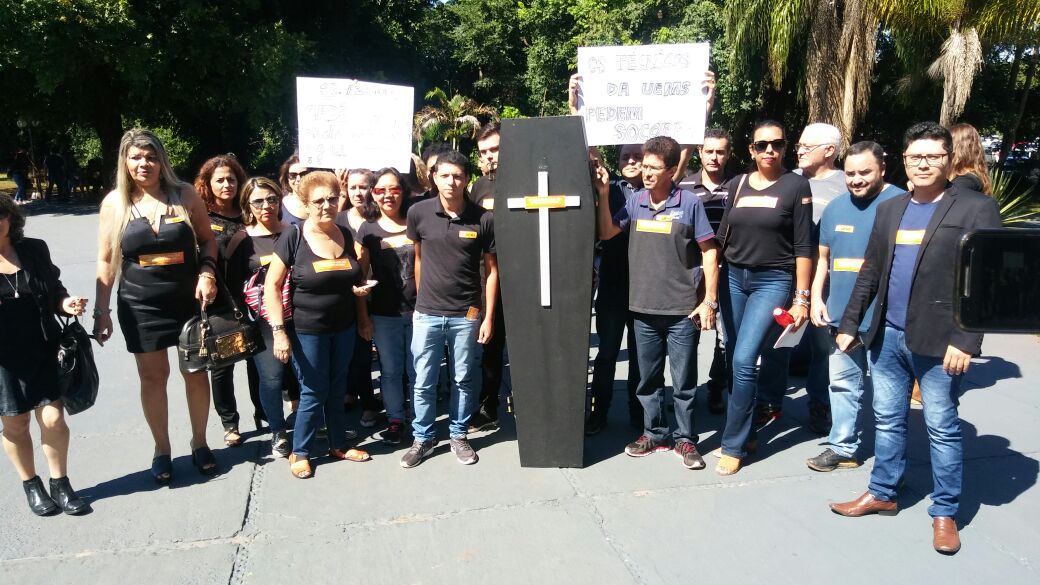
(845, 229)
(216, 228)
(762, 201)
(847, 264)
(167, 259)
(174, 219)
(396, 242)
(265, 260)
(331, 265)
(653, 227)
(545, 202)
(910, 237)
(468, 235)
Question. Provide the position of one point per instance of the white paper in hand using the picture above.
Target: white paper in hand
(791, 336)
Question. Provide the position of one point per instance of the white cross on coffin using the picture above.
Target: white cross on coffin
(543, 202)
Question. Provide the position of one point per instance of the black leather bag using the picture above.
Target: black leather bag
(212, 341)
(78, 377)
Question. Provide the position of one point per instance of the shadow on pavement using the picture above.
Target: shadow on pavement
(989, 372)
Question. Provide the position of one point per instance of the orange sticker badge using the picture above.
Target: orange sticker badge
(395, 242)
(760, 201)
(847, 264)
(174, 219)
(216, 228)
(168, 259)
(845, 229)
(653, 227)
(468, 235)
(910, 237)
(331, 265)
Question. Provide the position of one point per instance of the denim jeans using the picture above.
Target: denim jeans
(21, 181)
(748, 297)
(271, 378)
(777, 362)
(429, 334)
(848, 381)
(393, 337)
(321, 363)
(612, 317)
(674, 336)
(894, 367)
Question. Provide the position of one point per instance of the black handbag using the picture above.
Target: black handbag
(78, 377)
(212, 341)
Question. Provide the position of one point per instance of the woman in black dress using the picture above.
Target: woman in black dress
(30, 295)
(219, 182)
(154, 235)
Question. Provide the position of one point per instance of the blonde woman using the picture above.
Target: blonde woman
(155, 237)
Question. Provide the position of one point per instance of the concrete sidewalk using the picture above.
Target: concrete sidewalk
(617, 521)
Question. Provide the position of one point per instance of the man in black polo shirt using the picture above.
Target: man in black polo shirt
(709, 183)
(668, 234)
(451, 235)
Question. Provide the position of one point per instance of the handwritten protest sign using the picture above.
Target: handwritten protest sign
(632, 93)
(346, 123)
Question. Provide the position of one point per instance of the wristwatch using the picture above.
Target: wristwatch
(714, 306)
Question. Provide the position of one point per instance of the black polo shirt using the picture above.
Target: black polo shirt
(450, 254)
(482, 192)
(714, 200)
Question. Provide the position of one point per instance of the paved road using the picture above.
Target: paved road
(617, 521)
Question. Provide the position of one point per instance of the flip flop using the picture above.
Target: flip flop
(162, 469)
(300, 467)
(232, 438)
(356, 455)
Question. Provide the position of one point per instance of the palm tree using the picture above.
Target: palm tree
(839, 51)
(450, 119)
(965, 25)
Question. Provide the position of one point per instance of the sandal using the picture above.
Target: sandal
(300, 467)
(356, 455)
(727, 465)
(162, 469)
(232, 438)
(204, 460)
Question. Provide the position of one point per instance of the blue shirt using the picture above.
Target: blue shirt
(663, 250)
(845, 229)
(908, 244)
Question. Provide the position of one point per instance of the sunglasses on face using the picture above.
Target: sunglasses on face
(385, 190)
(273, 201)
(762, 145)
(330, 200)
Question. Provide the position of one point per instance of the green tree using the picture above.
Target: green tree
(449, 119)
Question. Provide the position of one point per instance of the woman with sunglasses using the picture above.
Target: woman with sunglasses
(294, 210)
(329, 310)
(251, 253)
(218, 183)
(766, 236)
(392, 301)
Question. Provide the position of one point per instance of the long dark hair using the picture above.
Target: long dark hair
(406, 197)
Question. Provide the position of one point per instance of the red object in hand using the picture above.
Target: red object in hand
(783, 318)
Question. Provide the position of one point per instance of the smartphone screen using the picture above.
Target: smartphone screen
(998, 281)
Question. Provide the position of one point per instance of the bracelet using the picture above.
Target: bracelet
(277, 328)
(801, 302)
(208, 275)
(802, 293)
(99, 312)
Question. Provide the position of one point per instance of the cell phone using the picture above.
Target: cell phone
(998, 276)
(369, 284)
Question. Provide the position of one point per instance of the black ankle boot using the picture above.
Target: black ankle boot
(39, 502)
(65, 497)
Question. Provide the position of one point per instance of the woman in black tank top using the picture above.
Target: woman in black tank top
(156, 228)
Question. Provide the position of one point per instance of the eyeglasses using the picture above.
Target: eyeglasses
(273, 201)
(808, 147)
(652, 168)
(636, 156)
(330, 200)
(933, 160)
(762, 145)
(385, 190)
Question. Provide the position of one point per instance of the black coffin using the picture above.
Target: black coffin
(548, 345)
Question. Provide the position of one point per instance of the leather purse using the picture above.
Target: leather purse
(78, 377)
(212, 341)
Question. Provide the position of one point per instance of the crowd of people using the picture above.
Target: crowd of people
(340, 269)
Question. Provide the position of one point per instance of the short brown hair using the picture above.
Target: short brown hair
(8, 208)
(315, 179)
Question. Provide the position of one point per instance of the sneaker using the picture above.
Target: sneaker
(418, 451)
(393, 433)
(481, 421)
(829, 461)
(644, 446)
(766, 413)
(687, 451)
(820, 419)
(595, 423)
(280, 446)
(464, 451)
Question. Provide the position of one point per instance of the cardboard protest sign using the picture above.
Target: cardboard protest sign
(346, 123)
(630, 94)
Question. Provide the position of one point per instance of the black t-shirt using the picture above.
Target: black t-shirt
(323, 297)
(392, 255)
(252, 254)
(768, 228)
(451, 250)
(224, 228)
(483, 192)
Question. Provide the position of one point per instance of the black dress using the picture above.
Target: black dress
(157, 283)
(29, 343)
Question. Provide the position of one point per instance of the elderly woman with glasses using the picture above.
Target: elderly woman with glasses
(326, 268)
(766, 236)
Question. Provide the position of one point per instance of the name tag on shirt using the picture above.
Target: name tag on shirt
(216, 228)
(468, 235)
(762, 201)
(167, 259)
(845, 229)
(488, 203)
(395, 242)
(653, 226)
(331, 265)
(265, 260)
(174, 219)
(910, 237)
(847, 264)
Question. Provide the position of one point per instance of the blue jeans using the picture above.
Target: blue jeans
(429, 333)
(676, 337)
(612, 316)
(748, 297)
(894, 367)
(393, 337)
(271, 375)
(847, 382)
(321, 363)
(20, 183)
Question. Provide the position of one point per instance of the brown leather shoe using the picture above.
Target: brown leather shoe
(944, 535)
(865, 504)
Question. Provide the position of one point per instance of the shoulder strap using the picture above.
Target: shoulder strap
(732, 201)
(294, 245)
